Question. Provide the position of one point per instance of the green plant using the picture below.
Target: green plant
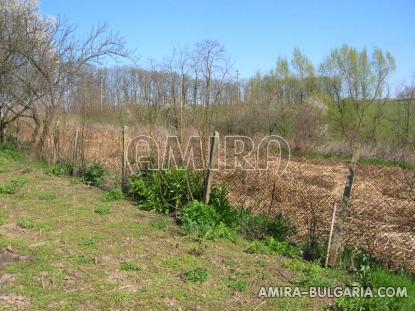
(235, 283)
(103, 209)
(14, 185)
(26, 223)
(84, 260)
(129, 266)
(93, 174)
(59, 169)
(382, 278)
(114, 194)
(160, 224)
(199, 275)
(166, 191)
(272, 246)
(260, 227)
(88, 243)
(198, 217)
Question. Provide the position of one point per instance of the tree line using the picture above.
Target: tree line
(46, 71)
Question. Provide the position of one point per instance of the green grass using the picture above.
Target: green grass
(103, 209)
(129, 266)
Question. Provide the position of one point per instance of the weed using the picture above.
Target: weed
(114, 195)
(199, 275)
(166, 191)
(103, 209)
(83, 259)
(311, 274)
(14, 185)
(88, 243)
(160, 224)
(129, 266)
(59, 169)
(237, 284)
(272, 246)
(26, 223)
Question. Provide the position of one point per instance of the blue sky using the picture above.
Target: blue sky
(254, 33)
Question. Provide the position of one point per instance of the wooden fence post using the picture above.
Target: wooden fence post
(56, 143)
(333, 220)
(214, 143)
(75, 152)
(124, 178)
(336, 247)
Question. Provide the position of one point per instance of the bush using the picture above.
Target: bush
(166, 191)
(198, 217)
(206, 222)
(93, 174)
(114, 195)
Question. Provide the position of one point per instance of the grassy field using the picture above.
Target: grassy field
(66, 246)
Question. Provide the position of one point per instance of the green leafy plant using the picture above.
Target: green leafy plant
(114, 194)
(273, 246)
(59, 169)
(166, 191)
(199, 275)
(93, 174)
(198, 217)
(103, 209)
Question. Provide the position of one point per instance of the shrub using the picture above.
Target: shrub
(114, 195)
(198, 217)
(199, 275)
(93, 174)
(103, 209)
(166, 191)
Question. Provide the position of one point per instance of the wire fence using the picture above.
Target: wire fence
(381, 217)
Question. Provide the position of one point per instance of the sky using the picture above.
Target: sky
(254, 33)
